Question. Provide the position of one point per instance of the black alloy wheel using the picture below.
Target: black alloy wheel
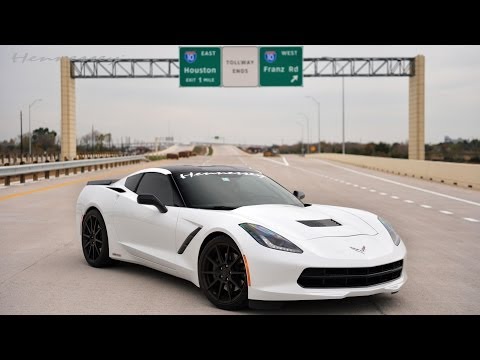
(222, 274)
(95, 239)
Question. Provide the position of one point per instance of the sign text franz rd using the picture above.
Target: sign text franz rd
(281, 66)
(200, 67)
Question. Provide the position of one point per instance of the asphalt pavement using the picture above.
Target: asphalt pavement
(42, 269)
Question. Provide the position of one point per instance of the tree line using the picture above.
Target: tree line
(461, 151)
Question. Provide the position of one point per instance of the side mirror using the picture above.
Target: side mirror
(148, 199)
(300, 195)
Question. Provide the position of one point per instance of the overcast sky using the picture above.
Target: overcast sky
(376, 108)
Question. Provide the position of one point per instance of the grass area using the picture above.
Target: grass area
(210, 151)
(156, 157)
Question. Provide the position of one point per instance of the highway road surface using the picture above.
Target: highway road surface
(173, 149)
(42, 269)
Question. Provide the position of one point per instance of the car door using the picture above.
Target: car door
(142, 229)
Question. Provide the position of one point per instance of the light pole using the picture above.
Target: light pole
(301, 137)
(308, 131)
(30, 125)
(343, 115)
(21, 135)
(318, 113)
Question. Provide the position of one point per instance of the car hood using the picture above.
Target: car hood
(284, 220)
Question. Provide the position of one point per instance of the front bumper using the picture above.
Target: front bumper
(295, 292)
(274, 273)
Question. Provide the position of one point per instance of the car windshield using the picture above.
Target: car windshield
(231, 189)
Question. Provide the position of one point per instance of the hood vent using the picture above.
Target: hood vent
(320, 223)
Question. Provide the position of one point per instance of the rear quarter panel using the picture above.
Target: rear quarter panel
(101, 198)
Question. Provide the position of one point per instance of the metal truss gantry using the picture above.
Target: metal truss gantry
(313, 67)
(124, 68)
(359, 67)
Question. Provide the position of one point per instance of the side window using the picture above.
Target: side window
(161, 186)
(132, 182)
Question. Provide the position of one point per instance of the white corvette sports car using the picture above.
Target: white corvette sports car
(238, 235)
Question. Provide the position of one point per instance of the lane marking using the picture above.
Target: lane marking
(274, 161)
(373, 190)
(402, 184)
(363, 188)
(46, 188)
(426, 206)
(355, 185)
(446, 212)
(285, 161)
(68, 183)
(471, 220)
(395, 197)
(383, 194)
(409, 201)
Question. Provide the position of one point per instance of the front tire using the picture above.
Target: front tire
(222, 274)
(95, 240)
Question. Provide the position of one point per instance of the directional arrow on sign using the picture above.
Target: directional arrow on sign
(294, 78)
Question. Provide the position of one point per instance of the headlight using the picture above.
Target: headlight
(270, 239)
(393, 234)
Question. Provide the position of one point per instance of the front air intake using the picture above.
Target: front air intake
(316, 278)
(320, 223)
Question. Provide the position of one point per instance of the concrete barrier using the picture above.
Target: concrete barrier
(465, 175)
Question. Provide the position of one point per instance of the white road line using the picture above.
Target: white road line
(363, 188)
(373, 190)
(274, 161)
(395, 197)
(347, 183)
(471, 220)
(243, 161)
(284, 161)
(402, 184)
(426, 206)
(446, 212)
(383, 194)
(355, 185)
(409, 201)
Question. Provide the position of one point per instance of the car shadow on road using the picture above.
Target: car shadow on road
(349, 306)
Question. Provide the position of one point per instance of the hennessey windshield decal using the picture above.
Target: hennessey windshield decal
(191, 174)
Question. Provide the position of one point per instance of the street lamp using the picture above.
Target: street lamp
(30, 125)
(343, 115)
(318, 112)
(308, 131)
(301, 138)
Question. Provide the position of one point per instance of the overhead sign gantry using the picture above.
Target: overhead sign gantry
(276, 66)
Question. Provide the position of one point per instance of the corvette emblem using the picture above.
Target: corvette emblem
(362, 250)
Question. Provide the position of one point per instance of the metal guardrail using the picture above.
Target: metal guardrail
(22, 170)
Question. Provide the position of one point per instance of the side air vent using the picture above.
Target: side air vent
(188, 240)
(320, 223)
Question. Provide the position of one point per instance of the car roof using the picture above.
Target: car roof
(181, 169)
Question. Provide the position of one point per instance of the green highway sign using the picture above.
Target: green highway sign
(200, 66)
(281, 66)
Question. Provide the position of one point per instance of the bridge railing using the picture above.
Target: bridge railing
(19, 172)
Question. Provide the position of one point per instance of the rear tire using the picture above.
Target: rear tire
(95, 240)
(222, 274)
